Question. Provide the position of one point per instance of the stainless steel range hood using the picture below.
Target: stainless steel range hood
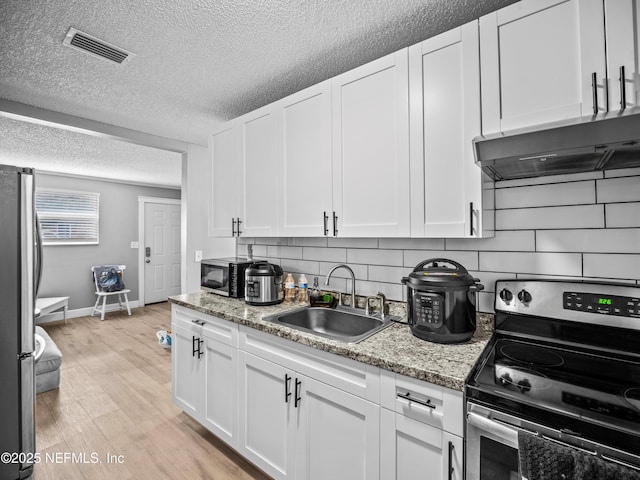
(582, 145)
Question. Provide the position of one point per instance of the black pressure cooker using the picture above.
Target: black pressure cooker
(441, 298)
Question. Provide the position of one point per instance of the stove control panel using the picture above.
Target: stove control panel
(608, 304)
(602, 304)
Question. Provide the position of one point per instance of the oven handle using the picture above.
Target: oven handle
(568, 445)
(619, 462)
(495, 428)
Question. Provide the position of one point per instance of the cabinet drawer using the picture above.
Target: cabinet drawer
(211, 327)
(343, 373)
(423, 401)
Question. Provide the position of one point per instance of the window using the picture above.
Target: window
(68, 217)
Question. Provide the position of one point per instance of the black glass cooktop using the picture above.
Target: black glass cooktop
(571, 381)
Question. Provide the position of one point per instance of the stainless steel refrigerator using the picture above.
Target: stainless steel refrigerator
(19, 274)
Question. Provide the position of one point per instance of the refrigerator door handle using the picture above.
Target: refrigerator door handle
(27, 342)
(39, 253)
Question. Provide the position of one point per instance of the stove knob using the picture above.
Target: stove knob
(506, 295)
(524, 385)
(524, 296)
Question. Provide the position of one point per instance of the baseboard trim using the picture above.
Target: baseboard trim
(82, 312)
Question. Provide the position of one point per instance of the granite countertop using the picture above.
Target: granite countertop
(393, 348)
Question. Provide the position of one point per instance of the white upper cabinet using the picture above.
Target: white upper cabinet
(444, 82)
(538, 59)
(258, 173)
(304, 120)
(371, 149)
(224, 196)
(623, 50)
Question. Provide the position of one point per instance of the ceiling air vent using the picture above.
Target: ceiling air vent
(94, 46)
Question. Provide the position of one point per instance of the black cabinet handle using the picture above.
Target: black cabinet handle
(297, 399)
(196, 350)
(623, 91)
(335, 224)
(471, 212)
(233, 227)
(238, 222)
(407, 396)
(451, 469)
(197, 322)
(326, 223)
(287, 382)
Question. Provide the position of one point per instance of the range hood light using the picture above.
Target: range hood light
(542, 158)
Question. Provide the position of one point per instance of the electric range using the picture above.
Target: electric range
(562, 369)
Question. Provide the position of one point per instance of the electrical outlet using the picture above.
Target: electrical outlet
(198, 255)
(134, 244)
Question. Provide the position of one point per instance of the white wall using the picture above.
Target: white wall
(67, 268)
(196, 186)
(582, 226)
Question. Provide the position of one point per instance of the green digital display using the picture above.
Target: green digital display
(604, 301)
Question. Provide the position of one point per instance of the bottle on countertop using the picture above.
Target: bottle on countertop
(289, 288)
(302, 288)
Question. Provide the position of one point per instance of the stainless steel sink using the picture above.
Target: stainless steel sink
(342, 323)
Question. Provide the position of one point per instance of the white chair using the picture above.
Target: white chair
(97, 272)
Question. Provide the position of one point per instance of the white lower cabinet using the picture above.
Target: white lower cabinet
(267, 429)
(204, 369)
(421, 430)
(338, 434)
(411, 450)
(294, 426)
(298, 412)
(187, 369)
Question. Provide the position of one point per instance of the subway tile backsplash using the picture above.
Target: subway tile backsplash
(582, 226)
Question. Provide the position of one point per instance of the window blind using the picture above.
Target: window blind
(68, 217)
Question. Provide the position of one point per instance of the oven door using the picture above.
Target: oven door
(492, 447)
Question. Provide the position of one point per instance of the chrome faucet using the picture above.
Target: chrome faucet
(353, 281)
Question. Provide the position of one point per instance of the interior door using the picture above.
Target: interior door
(162, 251)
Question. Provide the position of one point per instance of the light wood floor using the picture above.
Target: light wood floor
(115, 400)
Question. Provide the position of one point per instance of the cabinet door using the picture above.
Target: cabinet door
(220, 413)
(187, 370)
(537, 59)
(305, 162)
(446, 185)
(623, 50)
(371, 149)
(267, 415)
(413, 450)
(338, 434)
(260, 185)
(225, 181)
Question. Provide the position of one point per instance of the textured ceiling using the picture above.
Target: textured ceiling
(201, 62)
(61, 151)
